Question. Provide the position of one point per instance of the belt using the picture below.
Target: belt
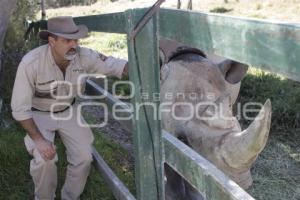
(59, 111)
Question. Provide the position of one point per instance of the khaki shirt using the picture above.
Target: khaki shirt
(40, 83)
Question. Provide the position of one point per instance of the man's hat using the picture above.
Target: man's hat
(64, 27)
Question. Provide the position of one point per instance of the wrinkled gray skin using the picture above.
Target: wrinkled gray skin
(220, 140)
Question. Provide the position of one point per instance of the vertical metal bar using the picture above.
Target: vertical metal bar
(144, 73)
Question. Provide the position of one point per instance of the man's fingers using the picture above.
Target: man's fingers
(45, 156)
(43, 153)
(47, 150)
(51, 149)
(54, 147)
(49, 154)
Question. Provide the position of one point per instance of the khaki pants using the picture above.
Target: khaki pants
(77, 140)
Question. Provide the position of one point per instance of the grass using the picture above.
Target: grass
(15, 180)
(108, 43)
(269, 9)
(220, 10)
(276, 172)
(283, 93)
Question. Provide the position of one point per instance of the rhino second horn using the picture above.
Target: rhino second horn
(239, 150)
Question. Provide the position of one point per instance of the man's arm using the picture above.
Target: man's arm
(21, 110)
(125, 70)
(45, 147)
(97, 63)
(32, 130)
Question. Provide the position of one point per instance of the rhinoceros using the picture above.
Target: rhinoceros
(219, 139)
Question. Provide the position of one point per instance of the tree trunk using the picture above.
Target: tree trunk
(178, 4)
(190, 5)
(43, 10)
(7, 6)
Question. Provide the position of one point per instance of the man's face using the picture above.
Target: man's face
(64, 48)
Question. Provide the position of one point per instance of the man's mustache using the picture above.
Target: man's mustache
(72, 51)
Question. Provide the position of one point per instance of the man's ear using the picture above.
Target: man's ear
(233, 71)
(51, 40)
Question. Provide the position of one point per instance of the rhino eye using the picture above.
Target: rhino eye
(207, 112)
(211, 110)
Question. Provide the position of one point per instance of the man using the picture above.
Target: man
(40, 97)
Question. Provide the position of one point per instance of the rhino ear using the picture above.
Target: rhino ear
(233, 71)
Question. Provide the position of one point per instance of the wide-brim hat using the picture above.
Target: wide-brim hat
(63, 27)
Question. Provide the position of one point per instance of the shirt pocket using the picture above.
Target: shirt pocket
(46, 89)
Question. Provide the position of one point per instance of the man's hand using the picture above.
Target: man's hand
(125, 70)
(46, 148)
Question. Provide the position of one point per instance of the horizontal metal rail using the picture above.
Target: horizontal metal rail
(212, 183)
(268, 45)
(117, 187)
(110, 23)
(94, 88)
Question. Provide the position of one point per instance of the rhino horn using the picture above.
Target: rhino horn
(239, 150)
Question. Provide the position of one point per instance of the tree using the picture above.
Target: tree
(13, 14)
(189, 5)
(178, 4)
(5, 12)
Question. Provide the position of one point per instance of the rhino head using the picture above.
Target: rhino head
(188, 78)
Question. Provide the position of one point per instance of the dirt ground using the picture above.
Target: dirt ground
(113, 130)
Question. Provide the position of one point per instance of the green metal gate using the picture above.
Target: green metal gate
(264, 44)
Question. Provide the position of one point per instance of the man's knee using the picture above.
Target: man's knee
(86, 158)
(41, 163)
(82, 158)
(38, 160)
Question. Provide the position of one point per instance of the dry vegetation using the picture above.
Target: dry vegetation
(281, 10)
